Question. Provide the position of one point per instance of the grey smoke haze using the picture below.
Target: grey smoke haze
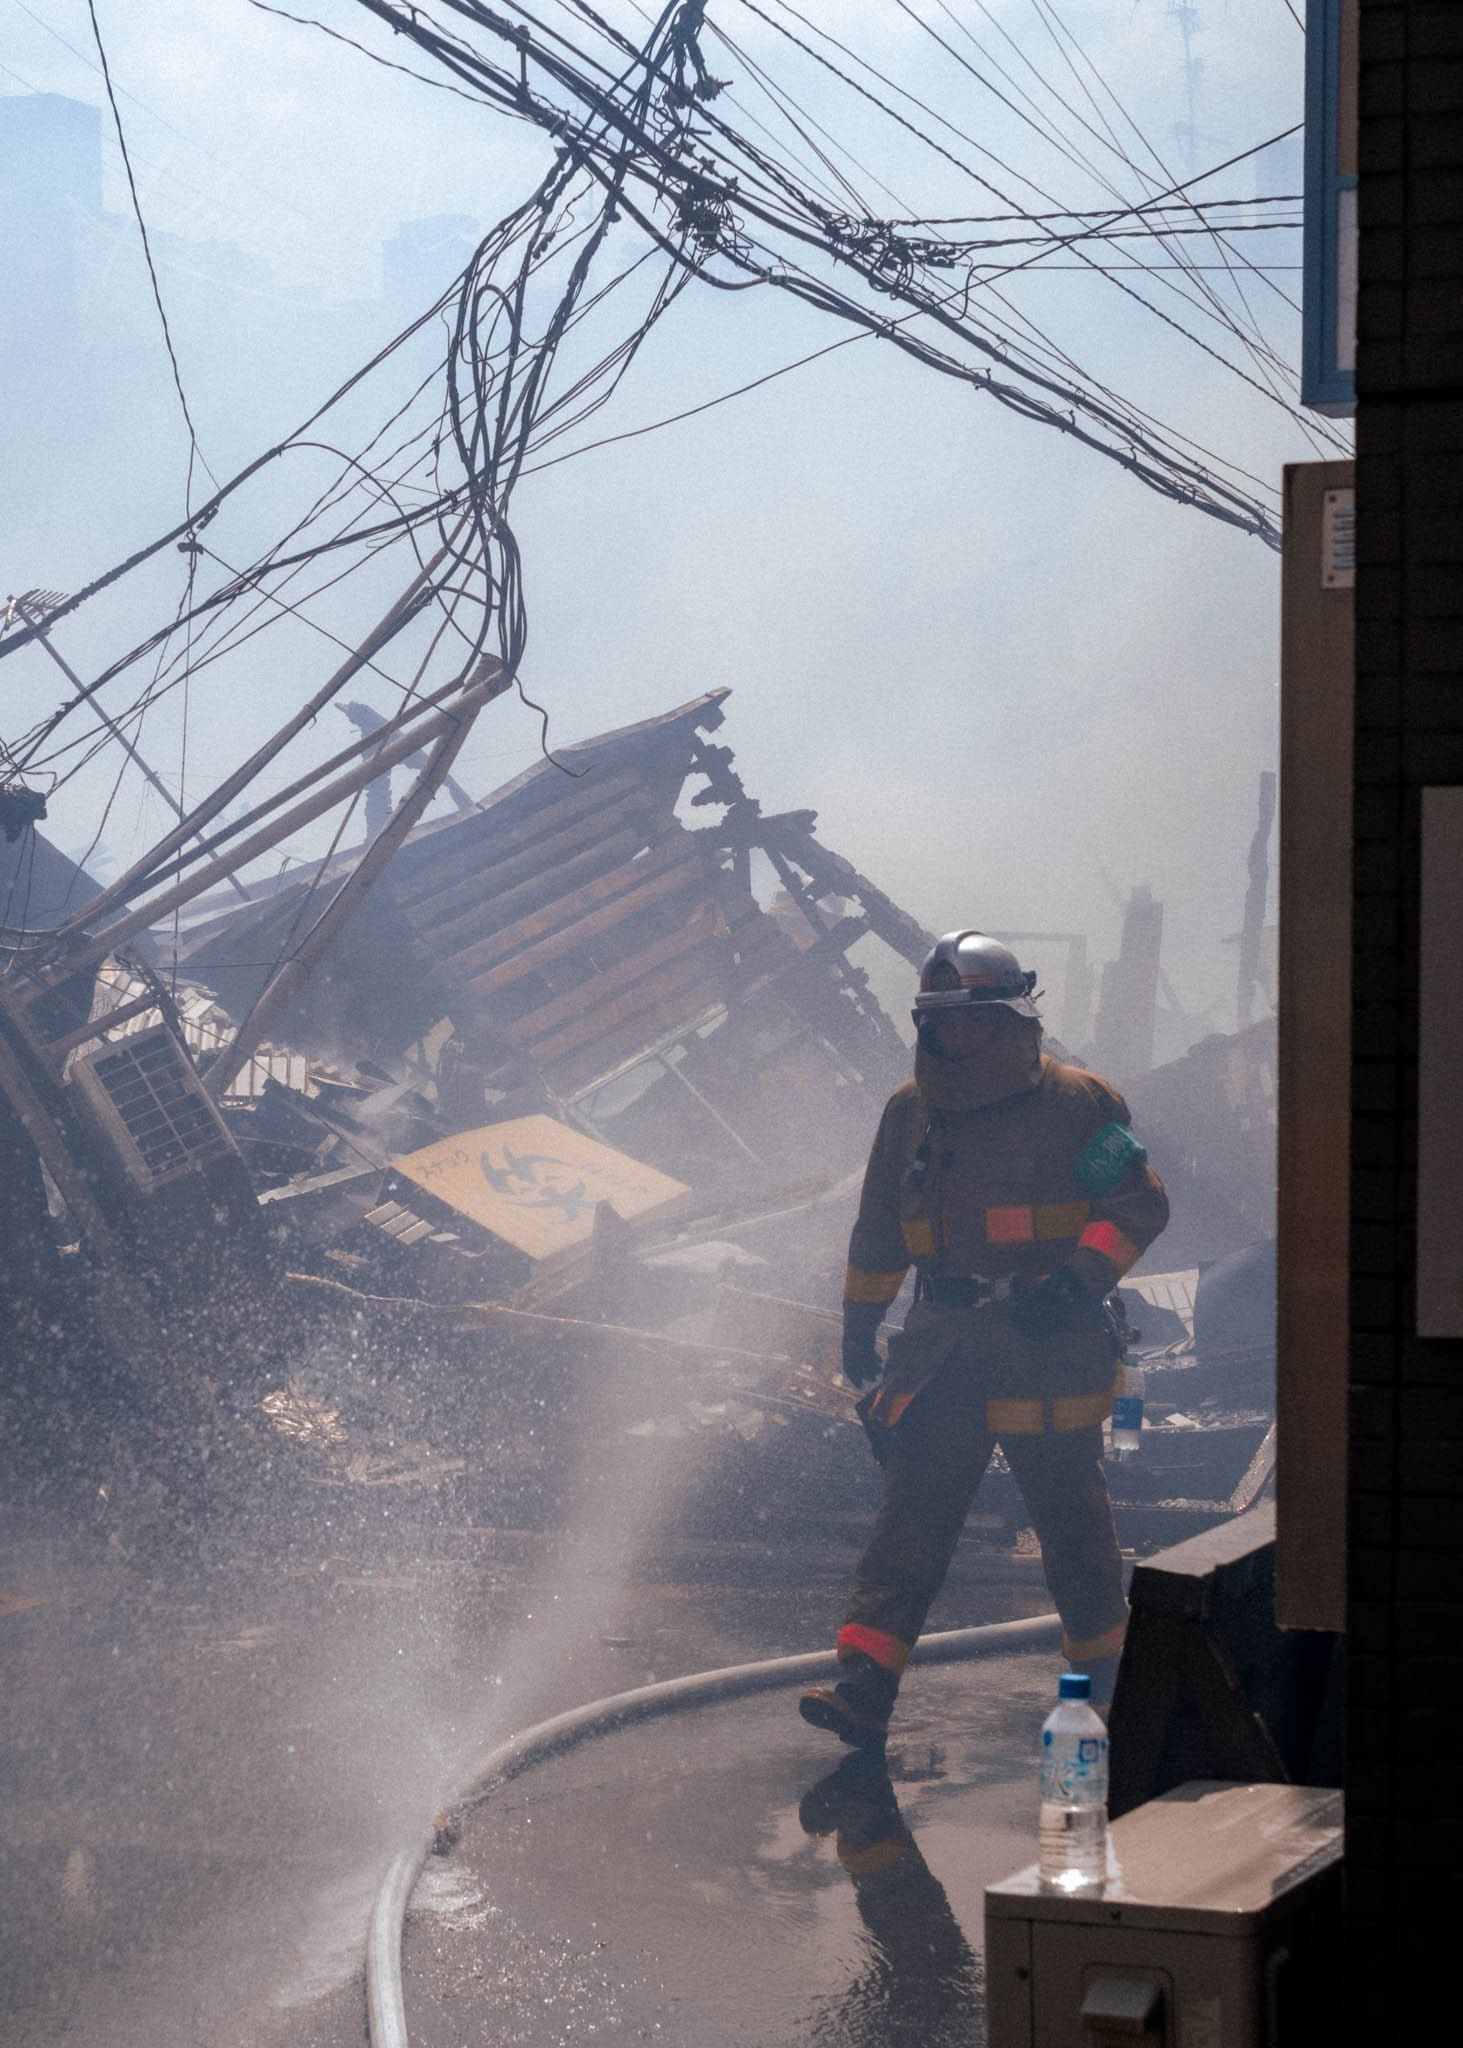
(992, 661)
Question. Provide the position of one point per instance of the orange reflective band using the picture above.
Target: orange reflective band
(1108, 1644)
(886, 1650)
(919, 1237)
(1016, 1416)
(877, 1856)
(1110, 1241)
(1011, 1226)
(876, 1288)
(1080, 1411)
(1060, 1219)
(889, 1407)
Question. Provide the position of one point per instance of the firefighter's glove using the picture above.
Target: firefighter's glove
(862, 1364)
(1051, 1306)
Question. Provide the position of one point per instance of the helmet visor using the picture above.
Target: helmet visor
(930, 1002)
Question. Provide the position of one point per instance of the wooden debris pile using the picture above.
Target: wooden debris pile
(572, 943)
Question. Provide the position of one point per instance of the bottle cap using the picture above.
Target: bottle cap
(1074, 1685)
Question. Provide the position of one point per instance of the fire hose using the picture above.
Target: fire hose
(385, 1999)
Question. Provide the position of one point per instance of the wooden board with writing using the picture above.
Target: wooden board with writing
(536, 1183)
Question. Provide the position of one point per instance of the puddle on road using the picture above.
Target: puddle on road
(451, 1896)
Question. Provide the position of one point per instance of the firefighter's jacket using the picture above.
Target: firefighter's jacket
(1047, 1176)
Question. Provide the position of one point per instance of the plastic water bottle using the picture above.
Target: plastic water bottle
(1072, 1839)
(1127, 1416)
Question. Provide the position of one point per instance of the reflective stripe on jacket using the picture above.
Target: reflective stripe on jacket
(996, 1192)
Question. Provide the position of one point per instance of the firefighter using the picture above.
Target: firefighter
(1014, 1186)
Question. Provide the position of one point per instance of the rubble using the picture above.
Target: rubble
(548, 1103)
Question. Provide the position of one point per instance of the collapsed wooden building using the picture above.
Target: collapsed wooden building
(581, 942)
(587, 1075)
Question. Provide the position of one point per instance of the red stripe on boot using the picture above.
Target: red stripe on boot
(885, 1650)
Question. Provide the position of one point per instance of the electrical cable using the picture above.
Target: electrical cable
(640, 146)
(1128, 290)
(195, 454)
(1106, 138)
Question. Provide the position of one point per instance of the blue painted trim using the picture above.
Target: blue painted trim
(1324, 386)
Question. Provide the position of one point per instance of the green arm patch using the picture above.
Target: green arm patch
(1104, 1159)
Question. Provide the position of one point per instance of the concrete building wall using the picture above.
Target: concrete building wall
(1405, 1487)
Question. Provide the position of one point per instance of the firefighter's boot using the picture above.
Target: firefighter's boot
(858, 1707)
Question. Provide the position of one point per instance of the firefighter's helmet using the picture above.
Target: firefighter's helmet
(966, 968)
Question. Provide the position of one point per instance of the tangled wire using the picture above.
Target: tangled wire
(643, 146)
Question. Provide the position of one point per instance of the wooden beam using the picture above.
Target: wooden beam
(836, 876)
(601, 1014)
(610, 981)
(550, 875)
(673, 1008)
(501, 864)
(525, 933)
(1318, 785)
(662, 885)
(473, 847)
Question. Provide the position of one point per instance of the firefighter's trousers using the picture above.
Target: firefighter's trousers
(936, 1458)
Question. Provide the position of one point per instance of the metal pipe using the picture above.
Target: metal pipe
(143, 870)
(110, 723)
(304, 813)
(280, 991)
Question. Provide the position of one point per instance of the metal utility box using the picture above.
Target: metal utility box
(143, 1094)
(1216, 1928)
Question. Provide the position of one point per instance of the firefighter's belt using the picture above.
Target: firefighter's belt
(969, 1290)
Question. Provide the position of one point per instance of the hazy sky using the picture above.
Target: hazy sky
(993, 662)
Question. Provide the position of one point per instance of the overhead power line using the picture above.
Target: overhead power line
(660, 180)
(195, 454)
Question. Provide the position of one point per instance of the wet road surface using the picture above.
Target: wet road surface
(718, 1877)
(204, 1768)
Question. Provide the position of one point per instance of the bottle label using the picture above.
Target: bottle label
(1127, 1411)
(1074, 1771)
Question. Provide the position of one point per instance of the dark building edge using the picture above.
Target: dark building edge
(1404, 1773)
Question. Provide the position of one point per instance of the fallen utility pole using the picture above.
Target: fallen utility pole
(306, 812)
(36, 619)
(369, 722)
(281, 990)
(144, 871)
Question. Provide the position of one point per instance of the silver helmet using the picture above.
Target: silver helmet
(965, 968)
